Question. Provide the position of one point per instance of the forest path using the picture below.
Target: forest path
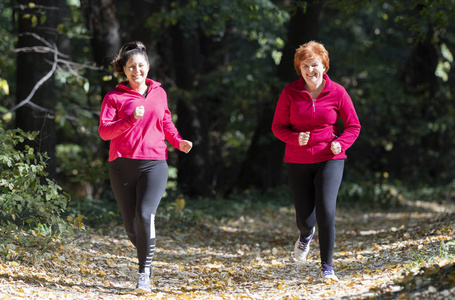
(249, 257)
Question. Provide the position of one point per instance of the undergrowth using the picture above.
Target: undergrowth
(31, 204)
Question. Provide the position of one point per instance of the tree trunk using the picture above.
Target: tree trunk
(194, 171)
(32, 66)
(421, 83)
(263, 167)
(101, 20)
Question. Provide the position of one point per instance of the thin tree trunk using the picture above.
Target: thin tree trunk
(263, 167)
(194, 171)
(32, 66)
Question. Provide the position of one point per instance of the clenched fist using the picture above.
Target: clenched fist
(303, 138)
(185, 146)
(139, 112)
(335, 147)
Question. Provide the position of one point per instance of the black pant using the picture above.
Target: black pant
(138, 187)
(314, 189)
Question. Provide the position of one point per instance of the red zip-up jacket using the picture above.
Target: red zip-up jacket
(143, 138)
(297, 112)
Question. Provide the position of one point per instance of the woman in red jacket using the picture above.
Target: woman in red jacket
(306, 119)
(136, 119)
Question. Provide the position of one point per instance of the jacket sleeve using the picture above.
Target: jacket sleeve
(281, 126)
(111, 127)
(351, 122)
(170, 131)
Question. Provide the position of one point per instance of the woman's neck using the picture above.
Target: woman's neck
(315, 89)
(140, 88)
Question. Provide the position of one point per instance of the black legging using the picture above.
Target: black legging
(138, 187)
(314, 189)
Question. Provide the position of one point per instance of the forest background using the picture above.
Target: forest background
(223, 65)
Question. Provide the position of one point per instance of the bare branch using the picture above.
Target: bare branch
(38, 84)
(40, 49)
(36, 36)
(25, 7)
(67, 65)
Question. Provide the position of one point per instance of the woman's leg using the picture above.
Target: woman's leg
(149, 190)
(123, 176)
(327, 182)
(301, 177)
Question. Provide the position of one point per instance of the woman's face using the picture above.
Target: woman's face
(312, 70)
(136, 69)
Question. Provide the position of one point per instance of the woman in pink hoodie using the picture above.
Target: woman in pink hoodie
(306, 119)
(136, 119)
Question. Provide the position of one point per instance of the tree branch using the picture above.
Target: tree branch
(72, 67)
(38, 84)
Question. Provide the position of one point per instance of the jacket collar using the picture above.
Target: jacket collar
(151, 83)
(329, 86)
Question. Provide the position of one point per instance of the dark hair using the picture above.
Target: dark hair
(128, 50)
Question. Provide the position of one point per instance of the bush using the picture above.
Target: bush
(27, 197)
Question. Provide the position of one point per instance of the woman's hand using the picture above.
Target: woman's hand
(335, 147)
(139, 112)
(303, 138)
(185, 146)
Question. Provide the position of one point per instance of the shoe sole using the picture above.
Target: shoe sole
(142, 291)
(330, 280)
(300, 260)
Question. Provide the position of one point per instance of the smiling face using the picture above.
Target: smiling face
(136, 70)
(312, 71)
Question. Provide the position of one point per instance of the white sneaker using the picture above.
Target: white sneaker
(328, 274)
(143, 284)
(301, 249)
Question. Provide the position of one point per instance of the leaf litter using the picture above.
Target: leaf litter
(407, 254)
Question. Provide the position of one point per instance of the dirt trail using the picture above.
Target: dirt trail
(248, 258)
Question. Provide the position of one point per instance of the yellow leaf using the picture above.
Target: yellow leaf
(180, 202)
(78, 289)
(4, 85)
(448, 228)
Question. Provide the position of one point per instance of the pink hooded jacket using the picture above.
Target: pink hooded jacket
(297, 112)
(137, 139)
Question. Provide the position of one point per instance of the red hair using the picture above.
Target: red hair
(311, 49)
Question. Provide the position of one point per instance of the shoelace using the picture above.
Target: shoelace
(328, 272)
(302, 245)
(143, 277)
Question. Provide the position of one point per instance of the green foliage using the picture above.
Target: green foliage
(7, 64)
(237, 204)
(27, 197)
(369, 194)
(406, 130)
(396, 65)
(31, 205)
(447, 249)
(245, 39)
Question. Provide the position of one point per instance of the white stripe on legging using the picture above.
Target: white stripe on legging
(152, 226)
